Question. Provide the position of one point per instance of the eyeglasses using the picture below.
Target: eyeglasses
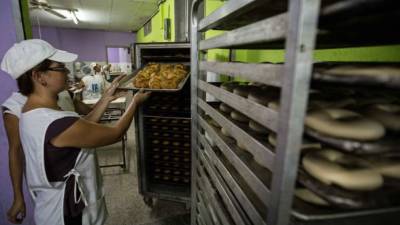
(59, 69)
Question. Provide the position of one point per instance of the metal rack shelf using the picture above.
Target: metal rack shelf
(266, 21)
(257, 148)
(247, 204)
(267, 30)
(266, 116)
(263, 73)
(237, 189)
(212, 196)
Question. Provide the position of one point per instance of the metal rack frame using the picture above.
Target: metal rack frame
(145, 187)
(297, 28)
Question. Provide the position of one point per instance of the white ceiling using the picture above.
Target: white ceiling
(112, 15)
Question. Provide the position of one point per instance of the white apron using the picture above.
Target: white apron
(49, 196)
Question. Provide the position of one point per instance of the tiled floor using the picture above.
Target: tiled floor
(125, 205)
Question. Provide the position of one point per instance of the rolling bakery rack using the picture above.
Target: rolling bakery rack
(227, 186)
(162, 129)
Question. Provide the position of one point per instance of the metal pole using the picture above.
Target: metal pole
(300, 41)
(195, 38)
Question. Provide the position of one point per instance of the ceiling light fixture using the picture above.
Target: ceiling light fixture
(74, 18)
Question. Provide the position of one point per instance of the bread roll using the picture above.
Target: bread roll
(333, 167)
(239, 117)
(342, 123)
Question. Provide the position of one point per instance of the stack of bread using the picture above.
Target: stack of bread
(160, 76)
(356, 168)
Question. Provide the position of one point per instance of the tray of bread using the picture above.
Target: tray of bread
(157, 77)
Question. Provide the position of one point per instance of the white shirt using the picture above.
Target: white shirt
(16, 101)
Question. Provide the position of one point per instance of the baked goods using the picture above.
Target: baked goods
(210, 140)
(160, 76)
(274, 105)
(367, 71)
(241, 146)
(229, 86)
(211, 121)
(387, 114)
(305, 145)
(225, 132)
(309, 196)
(344, 123)
(225, 108)
(349, 172)
(242, 90)
(262, 95)
(239, 116)
(257, 127)
(386, 167)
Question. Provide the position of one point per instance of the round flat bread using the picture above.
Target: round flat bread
(257, 127)
(333, 167)
(344, 123)
(309, 196)
(242, 90)
(274, 105)
(386, 167)
(225, 132)
(387, 114)
(239, 117)
(229, 86)
(225, 108)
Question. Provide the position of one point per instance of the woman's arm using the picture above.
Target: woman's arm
(15, 156)
(87, 134)
(108, 96)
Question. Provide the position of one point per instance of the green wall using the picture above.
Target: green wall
(26, 21)
(166, 10)
(376, 54)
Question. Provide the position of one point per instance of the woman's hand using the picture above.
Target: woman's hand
(141, 96)
(110, 94)
(16, 213)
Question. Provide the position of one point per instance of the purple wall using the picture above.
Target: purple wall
(113, 55)
(90, 45)
(118, 55)
(7, 85)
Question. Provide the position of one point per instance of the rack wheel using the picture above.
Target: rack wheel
(148, 201)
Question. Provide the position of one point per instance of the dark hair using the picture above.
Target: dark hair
(25, 82)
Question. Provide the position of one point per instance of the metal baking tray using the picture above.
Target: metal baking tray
(305, 213)
(387, 145)
(127, 83)
(322, 72)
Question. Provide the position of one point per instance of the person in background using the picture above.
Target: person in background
(62, 176)
(94, 84)
(106, 70)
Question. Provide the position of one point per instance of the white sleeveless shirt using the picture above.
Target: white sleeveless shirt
(49, 196)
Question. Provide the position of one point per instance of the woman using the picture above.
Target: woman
(105, 71)
(62, 175)
(11, 113)
(94, 84)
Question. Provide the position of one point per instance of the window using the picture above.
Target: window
(147, 28)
